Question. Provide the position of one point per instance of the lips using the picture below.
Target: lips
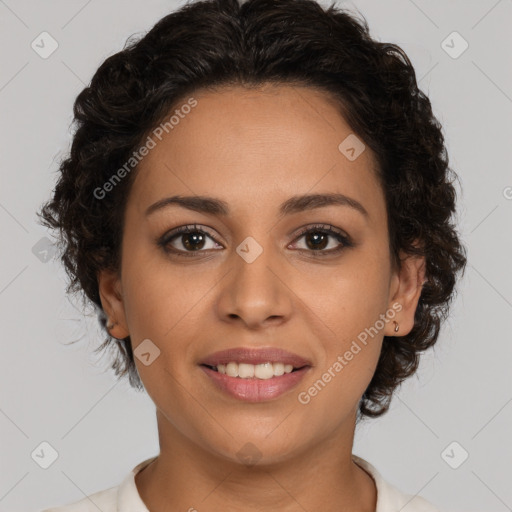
(255, 356)
(251, 379)
(255, 390)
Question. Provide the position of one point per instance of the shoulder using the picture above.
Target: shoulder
(123, 497)
(106, 501)
(391, 499)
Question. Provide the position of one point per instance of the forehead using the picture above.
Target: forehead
(244, 145)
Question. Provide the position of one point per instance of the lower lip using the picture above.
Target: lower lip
(255, 390)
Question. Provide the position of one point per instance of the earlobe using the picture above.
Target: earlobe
(111, 296)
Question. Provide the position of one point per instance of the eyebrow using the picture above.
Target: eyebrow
(295, 204)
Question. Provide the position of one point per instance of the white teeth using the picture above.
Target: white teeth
(278, 368)
(264, 371)
(259, 371)
(231, 369)
(245, 370)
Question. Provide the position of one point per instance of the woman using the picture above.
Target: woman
(258, 201)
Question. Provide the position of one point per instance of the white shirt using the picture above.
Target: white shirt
(125, 497)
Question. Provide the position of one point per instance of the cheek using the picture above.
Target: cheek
(350, 297)
(172, 308)
(349, 305)
(352, 340)
(159, 294)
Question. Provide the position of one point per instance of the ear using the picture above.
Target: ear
(111, 296)
(405, 290)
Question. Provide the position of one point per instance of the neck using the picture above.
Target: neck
(186, 476)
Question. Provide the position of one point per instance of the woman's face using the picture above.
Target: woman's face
(246, 278)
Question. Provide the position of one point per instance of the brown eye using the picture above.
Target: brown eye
(317, 239)
(187, 239)
(193, 241)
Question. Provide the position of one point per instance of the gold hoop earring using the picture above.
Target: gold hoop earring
(396, 325)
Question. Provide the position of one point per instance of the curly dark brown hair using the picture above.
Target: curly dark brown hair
(211, 43)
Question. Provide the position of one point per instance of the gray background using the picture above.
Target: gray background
(101, 429)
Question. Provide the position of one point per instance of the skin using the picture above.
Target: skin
(254, 149)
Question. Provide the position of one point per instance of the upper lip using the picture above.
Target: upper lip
(255, 356)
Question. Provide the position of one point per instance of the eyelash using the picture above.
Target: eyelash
(326, 229)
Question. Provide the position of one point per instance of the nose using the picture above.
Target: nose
(255, 291)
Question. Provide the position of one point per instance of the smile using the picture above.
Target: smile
(258, 371)
(254, 374)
